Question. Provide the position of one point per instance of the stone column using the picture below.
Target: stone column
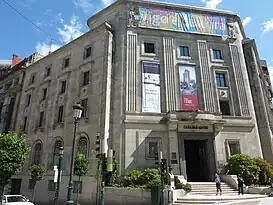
(171, 79)
(207, 85)
(131, 73)
(174, 148)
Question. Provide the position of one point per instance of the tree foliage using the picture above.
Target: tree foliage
(37, 172)
(81, 165)
(13, 154)
(241, 164)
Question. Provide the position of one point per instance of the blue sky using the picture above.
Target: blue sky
(64, 20)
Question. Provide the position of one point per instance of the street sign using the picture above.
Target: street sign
(56, 162)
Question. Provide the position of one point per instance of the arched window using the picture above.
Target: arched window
(57, 146)
(37, 153)
(82, 146)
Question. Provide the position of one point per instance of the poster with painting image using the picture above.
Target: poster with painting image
(188, 88)
(151, 87)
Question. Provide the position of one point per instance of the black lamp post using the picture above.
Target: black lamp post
(77, 112)
(57, 189)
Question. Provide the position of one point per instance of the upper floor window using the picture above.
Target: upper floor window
(28, 100)
(84, 104)
(217, 54)
(8, 85)
(44, 93)
(41, 119)
(184, 51)
(87, 52)
(60, 114)
(221, 80)
(25, 124)
(85, 78)
(63, 86)
(149, 47)
(47, 71)
(224, 107)
(32, 79)
(66, 62)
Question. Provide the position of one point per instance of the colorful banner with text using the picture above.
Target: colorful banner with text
(181, 21)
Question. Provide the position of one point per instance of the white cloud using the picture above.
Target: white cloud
(71, 31)
(84, 4)
(247, 20)
(67, 33)
(107, 2)
(268, 26)
(212, 3)
(46, 48)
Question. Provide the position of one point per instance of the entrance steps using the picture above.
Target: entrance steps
(205, 193)
(213, 199)
(209, 188)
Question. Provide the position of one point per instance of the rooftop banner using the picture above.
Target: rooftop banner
(181, 21)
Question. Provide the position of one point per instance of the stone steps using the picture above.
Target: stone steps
(209, 188)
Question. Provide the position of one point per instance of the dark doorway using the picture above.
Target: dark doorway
(15, 186)
(196, 160)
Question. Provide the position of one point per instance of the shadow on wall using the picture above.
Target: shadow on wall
(141, 147)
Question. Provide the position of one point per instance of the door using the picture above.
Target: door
(15, 186)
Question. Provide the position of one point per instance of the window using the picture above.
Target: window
(149, 47)
(51, 185)
(220, 80)
(16, 81)
(41, 119)
(28, 100)
(31, 184)
(82, 146)
(25, 124)
(47, 71)
(84, 104)
(77, 187)
(224, 107)
(60, 114)
(32, 79)
(63, 87)
(152, 149)
(217, 54)
(87, 52)
(37, 154)
(8, 85)
(234, 147)
(184, 51)
(58, 143)
(44, 93)
(86, 78)
(66, 62)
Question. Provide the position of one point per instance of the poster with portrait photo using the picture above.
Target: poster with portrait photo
(188, 88)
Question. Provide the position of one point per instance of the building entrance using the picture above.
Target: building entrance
(198, 160)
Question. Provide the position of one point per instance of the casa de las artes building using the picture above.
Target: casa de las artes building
(151, 77)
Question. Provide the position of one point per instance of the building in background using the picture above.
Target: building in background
(151, 77)
(11, 81)
(261, 90)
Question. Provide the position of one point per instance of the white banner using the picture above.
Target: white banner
(151, 101)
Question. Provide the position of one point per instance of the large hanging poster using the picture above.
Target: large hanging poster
(188, 88)
(181, 21)
(151, 101)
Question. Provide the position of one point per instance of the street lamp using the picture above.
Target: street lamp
(77, 112)
(57, 189)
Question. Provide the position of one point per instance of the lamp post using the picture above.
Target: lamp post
(77, 112)
(57, 190)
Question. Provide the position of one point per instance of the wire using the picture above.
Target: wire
(12, 7)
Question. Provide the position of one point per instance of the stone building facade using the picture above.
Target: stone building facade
(152, 77)
(261, 90)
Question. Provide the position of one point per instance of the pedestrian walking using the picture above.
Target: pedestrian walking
(240, 185)
(218, 184)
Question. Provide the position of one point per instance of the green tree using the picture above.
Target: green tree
(80, 169)
(37, 173)
(13, 154)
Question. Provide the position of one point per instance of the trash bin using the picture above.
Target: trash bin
(155, 195)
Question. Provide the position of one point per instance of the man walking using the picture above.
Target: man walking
(240, 185)
(218, 184)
